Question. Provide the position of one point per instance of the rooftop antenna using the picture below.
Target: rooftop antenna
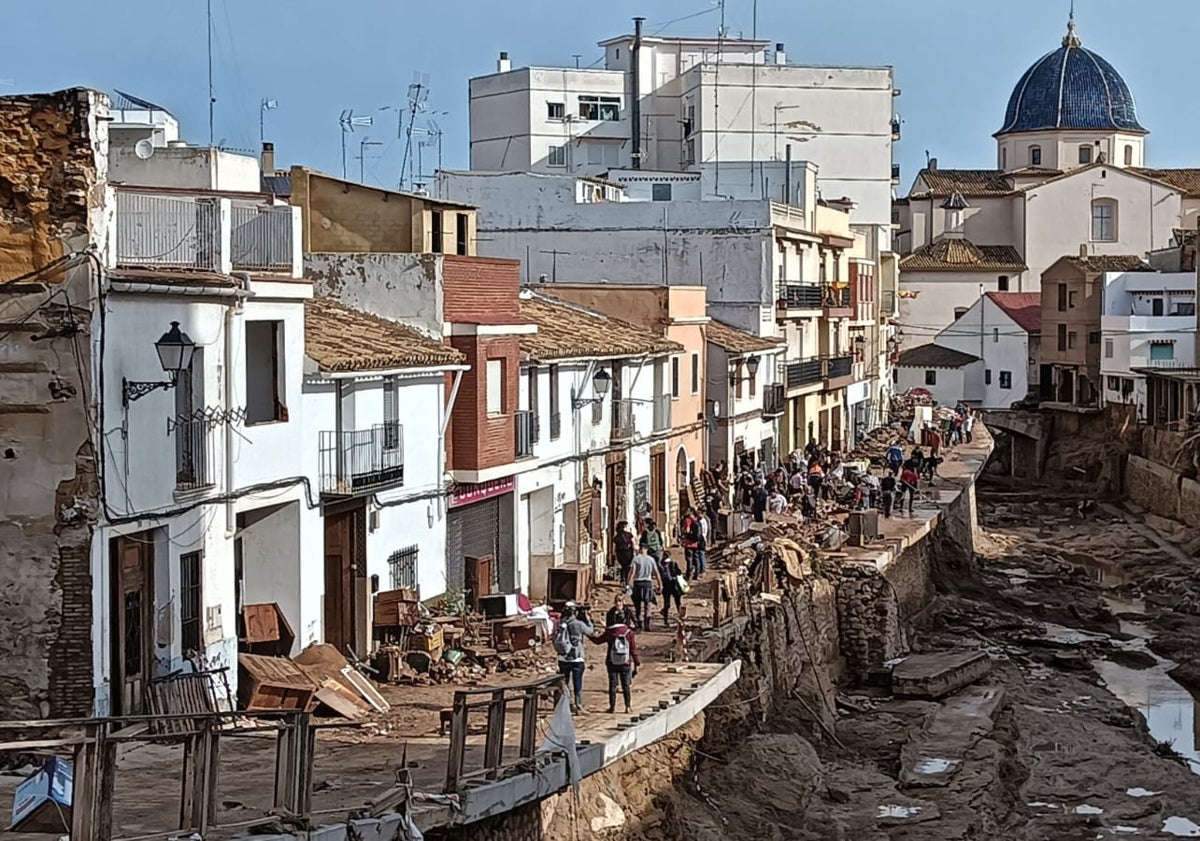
(348, 121)
(265, 106)
(418, 96)
(212, 100)
(433, 137)
(577, 57)
(362, 157)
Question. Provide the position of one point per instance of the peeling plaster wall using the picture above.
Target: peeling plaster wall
(400, 287)
(52, 201)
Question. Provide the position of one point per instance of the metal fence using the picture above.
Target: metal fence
(838, 366)
(195, 465)
(802, 296)
(261, 237)
(354, 461)
(800, 372)
(774, 397)
(526, 423)
(622, 419)
(168, 231)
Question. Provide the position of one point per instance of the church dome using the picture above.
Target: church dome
(1071, 88)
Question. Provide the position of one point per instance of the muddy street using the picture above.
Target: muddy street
(1083, 729)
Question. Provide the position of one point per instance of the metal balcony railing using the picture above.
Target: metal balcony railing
(838, 366)
(835, 299)
(887, 302)
(802, 296)
(774, 398)
(895, 129)
(896, 173)
(662, 412)
(555, 425)
(261, 237)
(195, 465)
(356, 461)
(172, 231)
(800, 372)
(622, 419)
(526, 423)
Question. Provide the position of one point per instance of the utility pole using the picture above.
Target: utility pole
(212, 100)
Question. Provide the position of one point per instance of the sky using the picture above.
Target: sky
(956, 62)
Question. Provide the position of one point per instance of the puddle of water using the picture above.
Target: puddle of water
(1168, 708)
(1087, 809)
(1124, 830)
(935, 765)
(1180, 827)
(1070, 636)
(1141, 792)
(898, 811)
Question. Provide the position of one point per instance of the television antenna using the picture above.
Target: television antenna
(418, 98)
(265, 106)
(433, 137)
(362, 157)
(348, 121)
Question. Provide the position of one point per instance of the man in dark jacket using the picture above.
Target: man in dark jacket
(622, 662)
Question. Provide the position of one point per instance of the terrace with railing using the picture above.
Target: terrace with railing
(361, 460)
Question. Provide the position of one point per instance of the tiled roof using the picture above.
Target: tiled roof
(961, 255)
(1025, 308)
(567, 331)
(1186, 181)
(1110, 263)
(955, 202)
(339, 338)
(935, 356)
(737, 341)
(1034, 172)
(972, 183)
(174, 277)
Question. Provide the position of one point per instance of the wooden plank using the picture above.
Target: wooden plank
(458, 743)
(366, 689)
(330, 694)
(529, 708)
(493, 748)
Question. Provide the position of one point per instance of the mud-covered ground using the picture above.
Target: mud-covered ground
(1078, 602)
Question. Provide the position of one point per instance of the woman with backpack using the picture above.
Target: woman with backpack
(672, 586)
(568, 644)
(622, 661)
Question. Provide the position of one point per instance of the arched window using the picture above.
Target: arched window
(1035, 155)
(1128, 155)
(1104, 220)
(1085, 153)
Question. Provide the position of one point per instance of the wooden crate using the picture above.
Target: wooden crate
(273, 683)
(427, 642)
(568, 584)
(397, 613)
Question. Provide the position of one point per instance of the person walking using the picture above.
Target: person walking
(620, 613)
(624, 548)
(887, 492)
(689, 537)
(935, 442)
(759, 506)
(643, 576)
(568, 644)
(910, 480)
(670, 574)
(816, 477)
(895, 456)
(621, 661)
(652, 541)
(704, 527)
(968, 425)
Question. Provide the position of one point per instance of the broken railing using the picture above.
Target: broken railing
(495, 701)
(92, 744)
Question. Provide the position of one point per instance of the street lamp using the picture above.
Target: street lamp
(175, 350)
(601, 382)
(752, 365)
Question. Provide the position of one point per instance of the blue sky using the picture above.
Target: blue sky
(956, 61)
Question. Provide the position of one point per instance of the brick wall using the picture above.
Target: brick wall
(481, 290)
(478, 441)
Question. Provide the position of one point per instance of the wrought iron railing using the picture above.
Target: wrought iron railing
(355, 461)
(154, 230)
(662, 412)
(887, 302)
(834, 298)
(261, 236)
(800, 372)
(526, 436)
(838, 366)
(195, 465)
(622, 419)
(802, 296)
(774, 397)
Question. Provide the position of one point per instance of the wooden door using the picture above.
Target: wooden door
(345, 576)
(132, 628)
(658, 488)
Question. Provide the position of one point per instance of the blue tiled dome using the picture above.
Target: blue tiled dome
(1071, 88)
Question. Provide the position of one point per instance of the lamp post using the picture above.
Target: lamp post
(175, 350)
(601, 382)
(752, 365)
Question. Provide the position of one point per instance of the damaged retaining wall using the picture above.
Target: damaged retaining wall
(52, 152)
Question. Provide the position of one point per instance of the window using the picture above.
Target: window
(603, 154)
(1006, 379)
(1162, 350)
(1062, 297)
(674, 376)
(1002, 283)
(391, 413)
(1104, 220)
(1128, 156)
(1062, 337)
(194, 465)
(660, 192)
(264, 372)
(1035, 155)
(555, 420)
(1094, 337)
(1108, 348)
(1181, 309)
(737, 382)
(191, 636)
(959, 312)
(556, 111)
(753, 384)
(987, 376)
(1004, 158)
(402, 564)
(696, 374)
(995, 334)
(435, 232)
(1072, 340)
(931, 378)
(1071, 299)
(462, 233)
(602, 108)
(1156, 306)
(556, 156)
(1114, 383)
(1085, 154)
(495, 386)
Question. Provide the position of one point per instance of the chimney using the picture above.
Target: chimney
(503, 65)
(635, 106)
(932, 165)
(1083, 251)
(268, 159)
(780, 54)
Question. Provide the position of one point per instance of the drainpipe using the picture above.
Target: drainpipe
(635, 103)
(231, 312)
(449, 410)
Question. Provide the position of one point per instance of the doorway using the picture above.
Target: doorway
(131, 629)
(616, 479)
(346, 590)
(658, 488)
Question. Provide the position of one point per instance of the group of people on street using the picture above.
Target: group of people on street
(621, 659)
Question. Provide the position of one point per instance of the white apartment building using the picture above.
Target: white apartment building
(1148, 321)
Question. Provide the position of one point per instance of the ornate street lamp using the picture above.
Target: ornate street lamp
(175, 350)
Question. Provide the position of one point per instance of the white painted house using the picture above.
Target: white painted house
(1148, 321)
(743, 379)
(944, 372)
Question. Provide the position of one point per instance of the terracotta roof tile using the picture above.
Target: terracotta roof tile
(567, 331)
(935, 356)
(972, 183)
(1025, 308)
(1110, 263)
(737, 341)
(961, 255)
(1186, 181)
(173, 277)
(339, 338)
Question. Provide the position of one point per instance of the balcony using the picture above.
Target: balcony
(261, 237)
(622, 420)
(774, 399)
(895, 174)
(800, 373)
(195, 465)
(358, 461)
(887, 303)
(838, 368)
(662, 412)
(168, 231)
(895, 130)
(800, 296)
(526, 433)
(836, 302)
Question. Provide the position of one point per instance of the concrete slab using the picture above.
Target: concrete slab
(937, 675)
(938, 752)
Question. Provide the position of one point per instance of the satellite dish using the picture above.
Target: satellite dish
(144, 149)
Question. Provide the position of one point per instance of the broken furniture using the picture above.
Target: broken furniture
(498, 606)
(273, 683)
(265, 630)
(478, 579)
(568, 584)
